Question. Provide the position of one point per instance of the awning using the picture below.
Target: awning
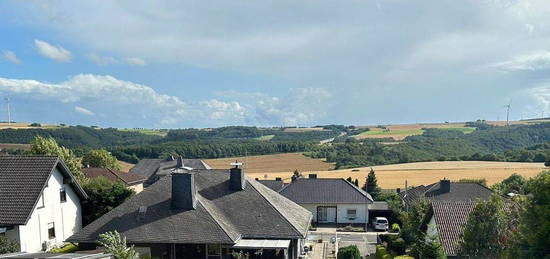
(262, 243)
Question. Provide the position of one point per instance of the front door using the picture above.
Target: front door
(326, 214)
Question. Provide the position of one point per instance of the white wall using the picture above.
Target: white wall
(67, 216)
(362, 212)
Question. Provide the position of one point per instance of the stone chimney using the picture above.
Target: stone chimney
(237, 179)
(312, 176)
(444, 186)
(184, 193)
(179, 162)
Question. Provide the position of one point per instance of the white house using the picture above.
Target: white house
(331, 200)
(39, 201)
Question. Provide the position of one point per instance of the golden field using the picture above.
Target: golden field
(277, 163)
(394, 176)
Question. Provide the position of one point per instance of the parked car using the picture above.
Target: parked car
(381, 223)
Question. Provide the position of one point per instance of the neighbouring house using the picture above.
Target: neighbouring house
(205, 213)
(154, 169)
(39, 201)
(133, 181)
(277, 185)
(330, 200)
(450, 205)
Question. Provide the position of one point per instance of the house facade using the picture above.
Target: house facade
(205, 213)
(39, 201)
(330, 200)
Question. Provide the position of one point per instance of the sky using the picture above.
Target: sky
(176, 64)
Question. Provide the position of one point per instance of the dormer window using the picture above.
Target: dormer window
(62, 195)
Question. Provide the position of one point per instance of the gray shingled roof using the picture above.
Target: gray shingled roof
(22, 179)
(275, 185)
(114, 175)
(450, 219)
(324, 190)
(221, 216)
(459, 192)
(153, 169)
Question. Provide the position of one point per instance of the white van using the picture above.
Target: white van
(380, 223)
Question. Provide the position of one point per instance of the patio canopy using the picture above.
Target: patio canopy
(262, 243)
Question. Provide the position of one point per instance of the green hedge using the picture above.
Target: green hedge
(349, 252)
(382, 253)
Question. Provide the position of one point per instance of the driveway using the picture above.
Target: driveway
(365, 241)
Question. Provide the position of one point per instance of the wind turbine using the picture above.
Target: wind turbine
(7, 99)
(508, 108)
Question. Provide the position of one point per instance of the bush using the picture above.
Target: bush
(69, 248)
(382, 253)
(349, 252)
(403, 257)
(8, 246)
(397, 246)
(395, 227)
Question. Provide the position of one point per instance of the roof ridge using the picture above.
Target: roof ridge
(116, 175)
(364, 193)
(207, 209)
(273, 206)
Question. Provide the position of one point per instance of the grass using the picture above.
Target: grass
(399, 132)
(423, 173)
(153, 132)
(265, 137)
(389, 132)
(465, 130)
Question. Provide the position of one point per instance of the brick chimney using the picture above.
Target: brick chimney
(184, 193)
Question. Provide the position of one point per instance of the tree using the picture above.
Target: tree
(371, 185)
(115, 244)
(515, 183)
(488, 231)
(103, 196)
(349, 252)
(356, 182)
(49, 147)
(8, 246)
(411, 217)
(534, 228)
(100, 158)
(430, 247)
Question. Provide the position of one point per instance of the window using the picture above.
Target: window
(352, 213)
(40, 201)
(51, 230)
(214, 251)
(62, 195)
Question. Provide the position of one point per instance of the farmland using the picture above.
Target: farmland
(259, 165)
(399, 132)
(24, 125)
(394, 176)
(153, 132)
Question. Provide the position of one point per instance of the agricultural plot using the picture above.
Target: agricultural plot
(394, 176)
(266, 164)
(125, 166)
(154, 132)
(399, 132)
(24, 125)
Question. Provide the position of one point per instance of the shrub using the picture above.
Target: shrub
(69, 248)
(403, 257)
(349, 252)
(382, 253)
(8, 246)
(395, 227)
(115, 244)
(397, 246)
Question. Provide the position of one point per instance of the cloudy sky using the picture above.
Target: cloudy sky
(168, 64)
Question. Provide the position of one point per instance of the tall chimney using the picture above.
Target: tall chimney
(237, 179)
(179, 162)
(444, 185)
(184, 193)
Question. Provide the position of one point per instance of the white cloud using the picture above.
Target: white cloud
(135, 62)
(533, 61)
(56, 53)
(106, 60)
(11, 57)
(83, 110)
(141, 105)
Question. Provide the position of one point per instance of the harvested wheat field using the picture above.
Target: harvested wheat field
(394, 176)
(15, 146)
(260, 165)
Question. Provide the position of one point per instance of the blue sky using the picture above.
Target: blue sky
(170, 64)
